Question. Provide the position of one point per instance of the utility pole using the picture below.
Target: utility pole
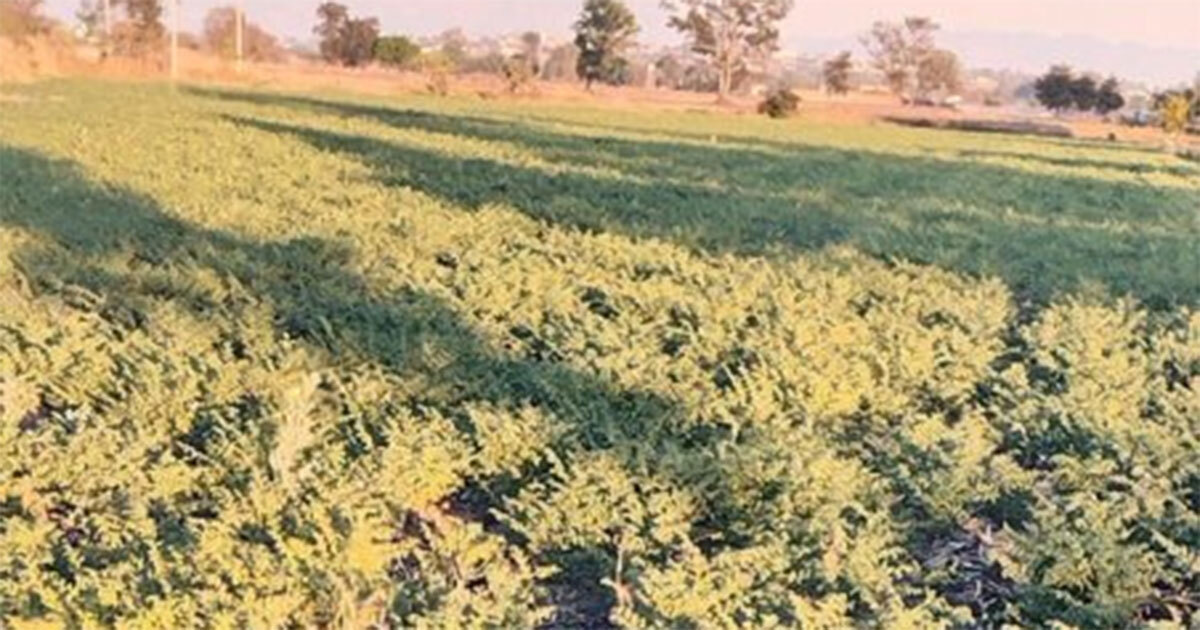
(174, 40)
(240, 26)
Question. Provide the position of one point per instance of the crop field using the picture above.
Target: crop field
(273, 360)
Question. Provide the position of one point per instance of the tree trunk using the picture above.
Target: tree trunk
(724, 82)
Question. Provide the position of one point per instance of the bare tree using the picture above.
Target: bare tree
(729, 32)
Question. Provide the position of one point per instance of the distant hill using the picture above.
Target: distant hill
(1033, 52)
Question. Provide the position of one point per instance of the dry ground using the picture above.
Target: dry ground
(45, 58)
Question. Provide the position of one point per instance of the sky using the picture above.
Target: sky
(1156, 39)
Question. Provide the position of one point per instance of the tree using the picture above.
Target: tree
(603, 32)
(1108, 98)
(22, 19)
(437, 67)
(531, 41)
(1175, 111)
(454, 47)
(1055, 90)
(220, 37)
(561, 63)
(397, 51)
(90, 16)
(1083, 93)
(344, 39)
(360, 41)
(1189, 95)
(669, 71)
(938, 70)
(700, 77)
(144, 32)
(836, 72)
(731, 33)
(518, 73)
(900, 51)
(1059, 90)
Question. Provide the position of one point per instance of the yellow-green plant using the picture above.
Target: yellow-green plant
(1176, 111)
(272, 361)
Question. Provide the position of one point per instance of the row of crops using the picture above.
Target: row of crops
(256, 373)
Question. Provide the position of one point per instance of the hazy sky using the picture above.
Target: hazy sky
(1111, 31)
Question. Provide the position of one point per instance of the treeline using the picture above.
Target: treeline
(137, 29)
(733, 39)
(727, 46)
(1061, 90)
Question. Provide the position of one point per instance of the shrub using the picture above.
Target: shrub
(1175, 111)
(518, 73)
(780, 103)
(396, 51)
(437, 68)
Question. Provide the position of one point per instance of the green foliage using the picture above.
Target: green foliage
(603, 33)
(1191, 94)
(730, 32)
(299, 362)
(397, 51)
(143, 32)
(780, 103)
(518, 72)
(836, 73)
(437, 68)
(1176, 112)
(1108, 97)
(1083, 93)
(1054, 90)
(1060, 90)
(345, 40)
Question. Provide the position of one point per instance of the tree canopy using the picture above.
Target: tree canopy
(346, 40)
(397, 51)
(836, 73)
(730, 33)
(1054, 90)
(144, 31)
(907, 55)
(1083, 93)
(1176, 110)
(604, 31)
(939, 70)
(1060, 90)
